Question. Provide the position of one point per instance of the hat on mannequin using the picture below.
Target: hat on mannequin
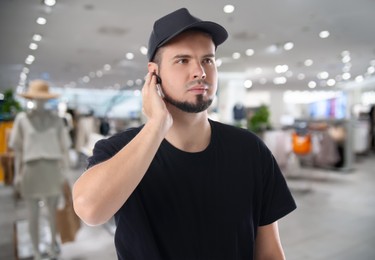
(38, 89)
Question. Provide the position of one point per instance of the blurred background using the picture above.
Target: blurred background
(300, 74)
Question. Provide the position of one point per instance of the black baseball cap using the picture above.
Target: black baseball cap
(173, 24)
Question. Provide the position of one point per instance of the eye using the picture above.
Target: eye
(208, 61)
(182, 61)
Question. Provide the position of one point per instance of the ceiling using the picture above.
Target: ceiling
(82, 36)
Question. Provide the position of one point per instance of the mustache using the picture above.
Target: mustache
(198, 82)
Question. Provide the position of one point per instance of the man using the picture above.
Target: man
(183, 186)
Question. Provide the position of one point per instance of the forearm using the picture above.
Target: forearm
(105, 187)
(268, 245)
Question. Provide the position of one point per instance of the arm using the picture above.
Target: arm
(100, 192)
(268, 245)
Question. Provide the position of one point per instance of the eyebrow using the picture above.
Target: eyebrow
(185, 56)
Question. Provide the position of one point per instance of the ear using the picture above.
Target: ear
(153, 67)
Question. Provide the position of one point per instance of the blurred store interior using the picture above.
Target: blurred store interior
(301, 74)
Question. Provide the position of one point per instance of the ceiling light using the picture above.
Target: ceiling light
(279, 80)
(248, 83)
(33, 46)
(23, 76)
(324, 34)
(331, 82)
(99, 73)
(228, 9)
(143, 50)
(311, 84)
(323, 75)
(345, 59)
(371, 70)
(236, 55)
(359, 78)
(129, 56)
(41, 20)
(345, 53)
(219, 62)
(107, 67)
(308, 62)
(249, 52)
(37, 37)
(281, 68)
(130, 83)
(49, 2)
(30, 59)
(346, 76)
(288, 46)
(86, 79)
(301, 76)
(25, 70)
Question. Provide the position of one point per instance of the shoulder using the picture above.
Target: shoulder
(232, 135)
(107, 147)
(21, 115)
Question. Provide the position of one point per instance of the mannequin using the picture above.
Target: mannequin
(40, 142)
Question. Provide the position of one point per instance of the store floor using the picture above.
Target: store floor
(335, 219)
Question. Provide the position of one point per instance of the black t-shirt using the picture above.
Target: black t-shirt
(199, 206)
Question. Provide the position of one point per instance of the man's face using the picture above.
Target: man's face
(188, 71)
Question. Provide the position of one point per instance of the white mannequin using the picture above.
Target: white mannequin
(40, 142)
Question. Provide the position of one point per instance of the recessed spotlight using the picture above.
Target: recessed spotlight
(301, 76)
(359, 78)
(323, 75)
(129, 56)
(311, 84)
(249, 52)
(33, 46)
(281, 68)
(41, 20)
(25, 70)
(49, 2)
(228, 9)
(107, 67)
(279, 80)
(236, 55)
(346, 76)
(130, 83)
(99, 73)
(288, 46)
(308, 62)
(331, 82)
(37, 37)
(30, 59)
(248, 83)
(143, 50)
(324, 34)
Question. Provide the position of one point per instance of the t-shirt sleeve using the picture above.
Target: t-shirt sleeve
(106, 148)
(277, 200)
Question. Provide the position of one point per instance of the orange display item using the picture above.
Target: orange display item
(301, 143)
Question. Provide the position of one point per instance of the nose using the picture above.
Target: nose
(199, 72)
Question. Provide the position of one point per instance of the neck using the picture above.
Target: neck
(39, 105)
(191, 132)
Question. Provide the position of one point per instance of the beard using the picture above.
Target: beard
(199, 105)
